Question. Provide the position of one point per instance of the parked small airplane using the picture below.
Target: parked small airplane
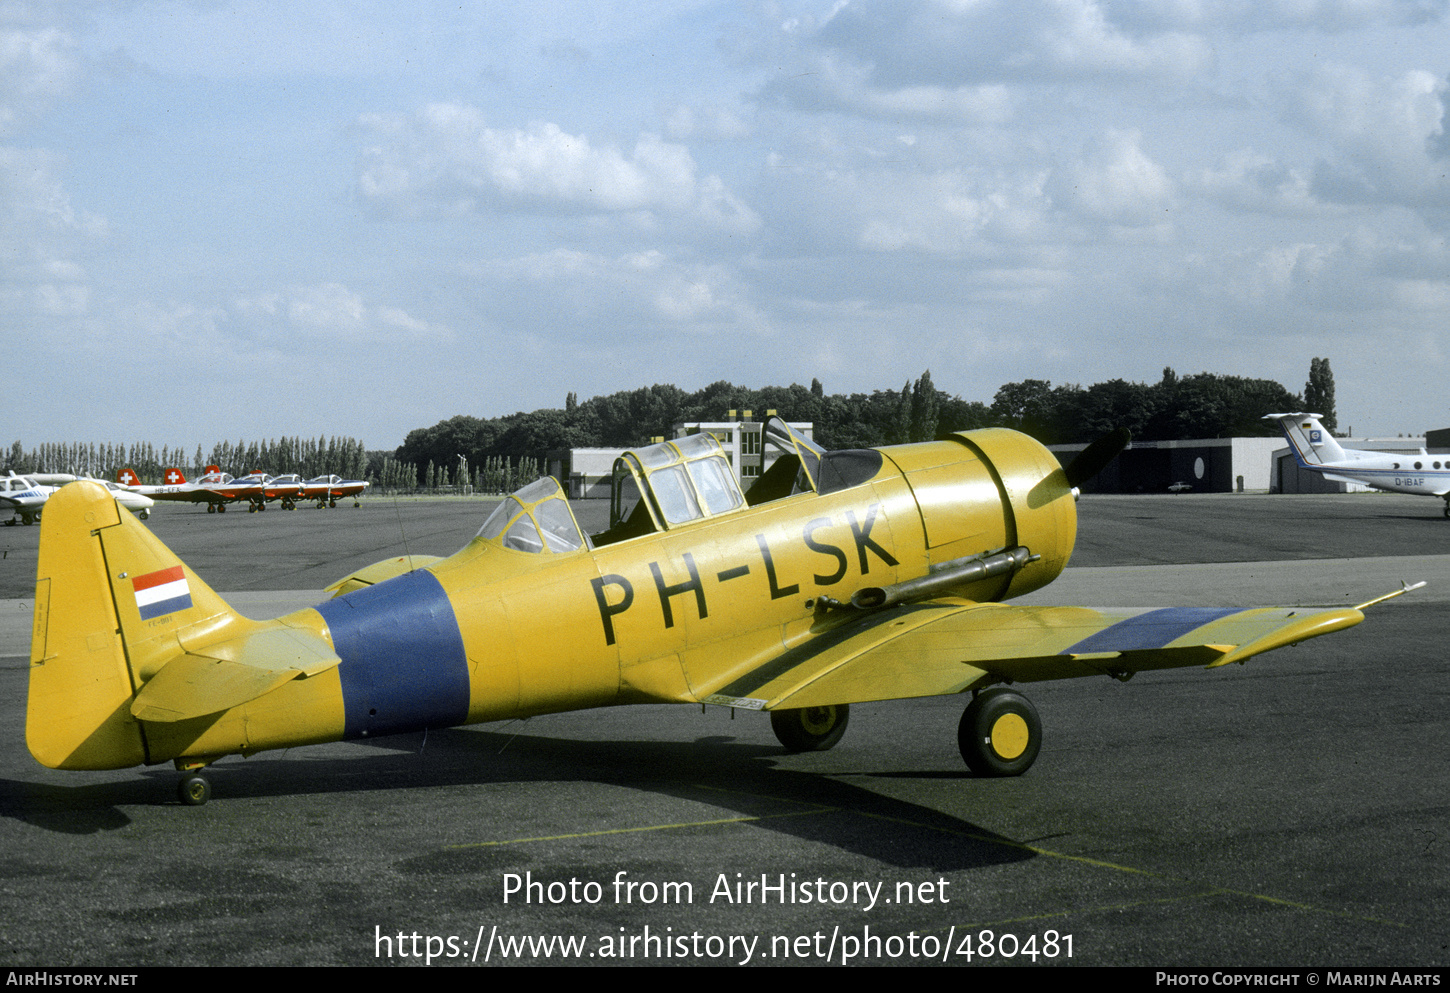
(26, 496)
(326, 490)
(839, 577)
(214, 488)
(129, 497)
(288, 489)
(1316, 450)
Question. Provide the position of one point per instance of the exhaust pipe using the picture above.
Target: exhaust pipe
(941, 579)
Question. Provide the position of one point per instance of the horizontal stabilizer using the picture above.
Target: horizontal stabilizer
(228, 673)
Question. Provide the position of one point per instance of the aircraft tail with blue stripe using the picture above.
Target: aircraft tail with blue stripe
(1313, 444)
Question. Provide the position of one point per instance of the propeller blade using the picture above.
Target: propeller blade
(1094, 458)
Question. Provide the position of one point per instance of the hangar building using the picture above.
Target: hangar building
(1207, 465)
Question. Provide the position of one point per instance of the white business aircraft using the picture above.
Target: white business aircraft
(1316, 450)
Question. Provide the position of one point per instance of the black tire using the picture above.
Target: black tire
(193, 790)
(812, 729)
(1000, 733)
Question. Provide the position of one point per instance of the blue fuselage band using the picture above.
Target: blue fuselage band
(403, 665)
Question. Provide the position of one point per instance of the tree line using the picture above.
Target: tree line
(1205, 405)
(499, 454)
(306, 456)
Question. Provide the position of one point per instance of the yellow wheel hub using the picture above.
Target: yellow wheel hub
(818, 720)
(1009, 736)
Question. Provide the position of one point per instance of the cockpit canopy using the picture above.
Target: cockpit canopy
(535, 519)
(673, 483)
(687, 479)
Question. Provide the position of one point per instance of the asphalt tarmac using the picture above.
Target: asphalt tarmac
(1292, 811)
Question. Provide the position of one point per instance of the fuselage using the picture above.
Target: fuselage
(1316, 449)
(689, 613)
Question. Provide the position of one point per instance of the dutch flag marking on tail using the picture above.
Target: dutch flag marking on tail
(163, 592)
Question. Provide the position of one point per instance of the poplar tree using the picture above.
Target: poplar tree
(1319, 393)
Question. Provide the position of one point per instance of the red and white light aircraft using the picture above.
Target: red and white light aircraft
(216, 489)
(326, 490)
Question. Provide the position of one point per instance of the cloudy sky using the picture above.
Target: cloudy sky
(224, 220)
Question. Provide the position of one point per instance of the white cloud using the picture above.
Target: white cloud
(647, 292)
(1361, 272)
(942, 56)
(37, 66)
(1385, 133)
(332, 310)
(445, 160)
(1246, 16)
(41, 234)
(1250, 183)
(1115, 182)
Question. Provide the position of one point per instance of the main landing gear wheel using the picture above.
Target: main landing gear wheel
(193, 790)
(1000, 733)
(812, 729)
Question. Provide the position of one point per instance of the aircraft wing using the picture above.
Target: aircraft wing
(951, 646)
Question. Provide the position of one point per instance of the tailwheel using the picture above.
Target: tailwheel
(811, 729)
(193, 790)
(1000, 733)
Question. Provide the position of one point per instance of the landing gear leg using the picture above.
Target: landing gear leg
(1000, 733)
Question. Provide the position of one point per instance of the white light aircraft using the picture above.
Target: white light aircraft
(25, 496)
(1398, 472)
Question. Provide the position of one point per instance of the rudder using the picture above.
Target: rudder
(1313, 444)
(111, 606)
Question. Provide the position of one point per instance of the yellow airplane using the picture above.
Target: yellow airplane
(839, 577)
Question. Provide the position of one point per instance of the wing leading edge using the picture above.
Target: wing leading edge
(951, 646)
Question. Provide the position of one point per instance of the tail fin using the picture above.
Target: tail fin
(128, 477)
(173, 477)
(112, 606)
(1313, 444)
